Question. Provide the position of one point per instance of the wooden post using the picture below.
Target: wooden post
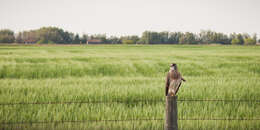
(171, 114)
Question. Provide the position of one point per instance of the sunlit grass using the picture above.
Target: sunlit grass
(129, 73)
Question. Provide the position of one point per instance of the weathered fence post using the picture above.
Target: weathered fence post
(171, 114)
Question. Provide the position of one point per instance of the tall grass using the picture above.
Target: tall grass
(128, 73)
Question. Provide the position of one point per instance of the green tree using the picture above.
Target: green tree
(45, 35)
(6, 36)
(133, 38)
(151, 37)
(114, 40)
(164, 37)
(240, 38)
(232, 36)
(245, 35)
(101, 37)
(208, 36)
(84, 38)
(53, 34)
(235, 41)
(174, 37)
(67, 37)
(146, 38)
(44, 41)
(255, 37)
(140, 41)
(188, 38)
(76, 39)
(128, 41)
(249, 41)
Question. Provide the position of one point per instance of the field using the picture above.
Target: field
(110, 73)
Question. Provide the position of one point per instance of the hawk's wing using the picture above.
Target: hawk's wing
(167, 83)
(178, 83)
(178, 88)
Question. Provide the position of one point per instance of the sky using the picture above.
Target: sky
(132, 17)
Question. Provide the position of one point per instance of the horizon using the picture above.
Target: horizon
(120, 18)
(76, 33)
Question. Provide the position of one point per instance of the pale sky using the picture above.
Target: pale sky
(132, 17)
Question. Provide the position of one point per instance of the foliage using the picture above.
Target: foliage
(249, 41)
(59, 36)
(76, 39)
(101, 37)
(6, 36)
(129, 39)
(114, 40)
(235, 41)
(188, 38)
(240, 38)
(174, 37)
(151, 37)
(45, 35)
(128, 42)
(208, 36)
(84, 38)
(43, 41)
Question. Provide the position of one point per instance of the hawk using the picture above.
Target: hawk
(173, 81)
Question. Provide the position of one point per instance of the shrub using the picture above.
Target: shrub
(43, 41)
(128, 42)
(235, 41)
(6, 36)
(249, 41)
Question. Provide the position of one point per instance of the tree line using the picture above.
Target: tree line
(48, 35)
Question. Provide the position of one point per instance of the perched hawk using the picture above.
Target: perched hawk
(173, 81)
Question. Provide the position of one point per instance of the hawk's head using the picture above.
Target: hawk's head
(173, 66)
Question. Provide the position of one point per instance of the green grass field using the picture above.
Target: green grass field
(127, 73)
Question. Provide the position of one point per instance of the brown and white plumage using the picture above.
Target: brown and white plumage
(173, 81)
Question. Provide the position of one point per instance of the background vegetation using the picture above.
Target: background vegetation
(51, 35)
(128, 73)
